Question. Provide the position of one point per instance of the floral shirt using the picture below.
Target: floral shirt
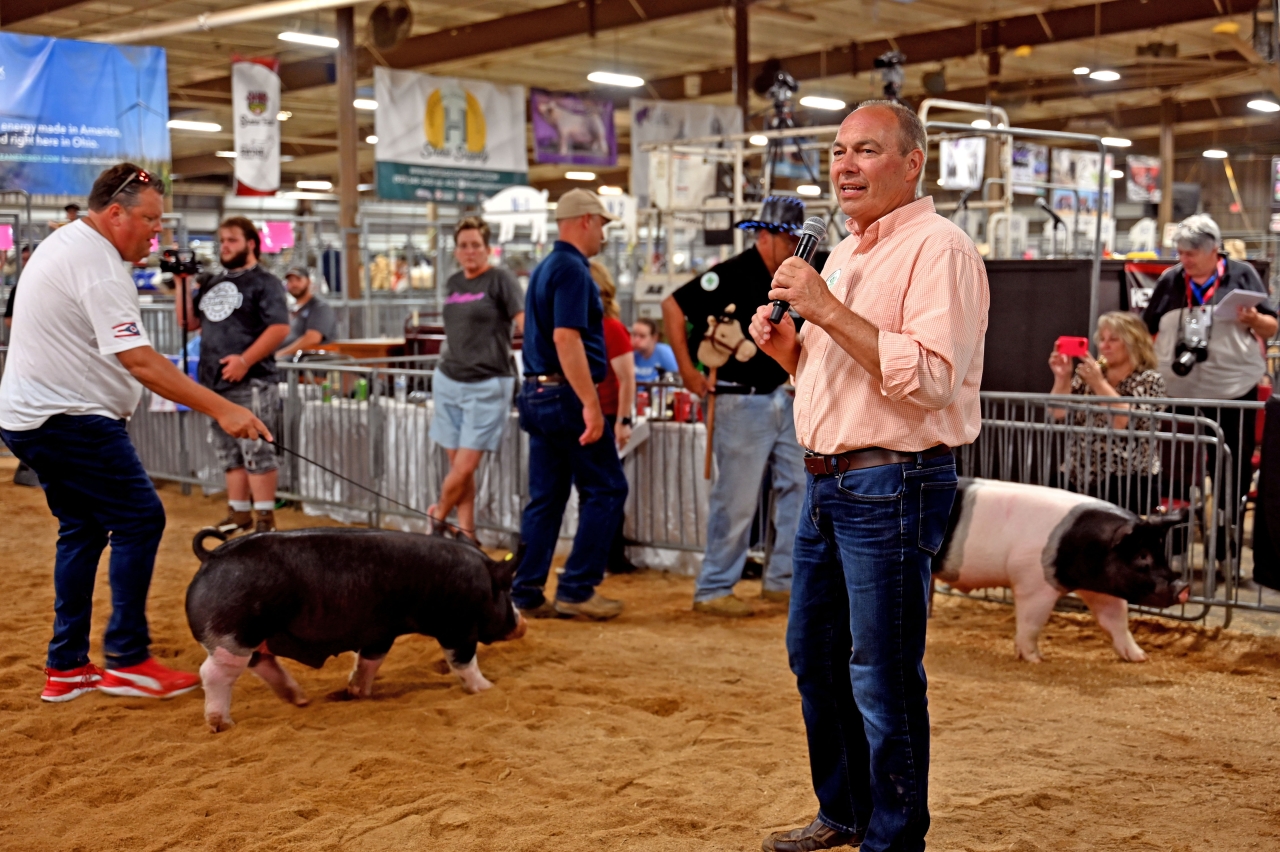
(1116, 451)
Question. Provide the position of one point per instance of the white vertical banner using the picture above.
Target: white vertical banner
(255, 100)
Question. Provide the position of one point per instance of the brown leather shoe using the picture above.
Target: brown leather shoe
(815, 835)
(596, 608)
(266, 521)
(235, 521)
(543, 610)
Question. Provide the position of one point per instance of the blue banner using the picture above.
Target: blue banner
(69, 109)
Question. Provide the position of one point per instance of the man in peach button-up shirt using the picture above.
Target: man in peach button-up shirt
(887, 371)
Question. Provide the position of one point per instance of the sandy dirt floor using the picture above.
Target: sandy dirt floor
(660, 731)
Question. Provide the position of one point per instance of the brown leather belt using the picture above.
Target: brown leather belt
(820, 465)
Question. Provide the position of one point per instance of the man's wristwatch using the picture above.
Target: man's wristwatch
(626, 421)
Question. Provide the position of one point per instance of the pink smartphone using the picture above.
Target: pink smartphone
(1073, 347)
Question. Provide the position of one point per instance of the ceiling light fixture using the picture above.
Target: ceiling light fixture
(284, 115)
(365, 103)
(609, 190)
(1081, 70)
(1116, 142)
(580, 175)
(608, 78)
(309, 38)
(759, 140)
(1263, 105)
(201, 126)
(815, 102)
(371, 139)
(230, 155)
(809, 190)
(1116, 174)
(1104, 76)
(366, 187)
(981, 124)
(1216, 154)
(321, 185)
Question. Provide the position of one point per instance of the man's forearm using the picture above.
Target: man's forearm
(573, 363)
(310, 339)
(158, 375)
(856, 336)
(266, 344)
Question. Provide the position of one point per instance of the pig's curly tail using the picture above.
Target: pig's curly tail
(197, 543)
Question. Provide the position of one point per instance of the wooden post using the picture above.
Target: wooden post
(1168, 112)
(348, 173)
(711, 422)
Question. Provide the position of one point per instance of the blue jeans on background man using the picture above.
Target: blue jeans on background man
(855, 639)
(750, 432)
(96, 488)
(552, 415)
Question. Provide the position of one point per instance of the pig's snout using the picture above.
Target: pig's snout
(519, 630)
(1182, 590)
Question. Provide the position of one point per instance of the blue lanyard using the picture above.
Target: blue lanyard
(1204, 291)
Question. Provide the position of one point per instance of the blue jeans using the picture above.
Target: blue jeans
(750, 432)
(96, 488)
(552, 415)
(855, 640)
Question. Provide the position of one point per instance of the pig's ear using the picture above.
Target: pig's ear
(504, 570)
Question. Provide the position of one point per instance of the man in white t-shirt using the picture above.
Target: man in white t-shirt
(78, 360)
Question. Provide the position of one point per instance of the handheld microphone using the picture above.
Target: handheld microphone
(813, 232)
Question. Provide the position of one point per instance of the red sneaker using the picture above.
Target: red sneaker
(72, 683)
(147, 679)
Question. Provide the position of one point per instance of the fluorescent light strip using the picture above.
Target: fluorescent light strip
(309, 38)
(608, 78)
(809, 190)
(759, 140)
(580, 175)
(1216, 154)
(1262, 105)
(609, 190)
(322, 185)
(1105, 76)
(201, 126)
(372, 140)
(1116, 142)
(229, 155)
(367, 104)
(815, 102)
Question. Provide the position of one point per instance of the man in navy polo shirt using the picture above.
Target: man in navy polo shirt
(570, 442)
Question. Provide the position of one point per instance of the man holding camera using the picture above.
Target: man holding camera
(78, 360)
(1202, 356)
(242, 319)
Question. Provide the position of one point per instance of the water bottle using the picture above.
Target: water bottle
(362, 388)
(402, 388)
(326, 391)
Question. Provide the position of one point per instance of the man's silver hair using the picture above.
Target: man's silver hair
(911, 133)
(1197, 233)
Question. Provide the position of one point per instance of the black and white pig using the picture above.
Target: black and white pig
(1045, 542)
(314, 593)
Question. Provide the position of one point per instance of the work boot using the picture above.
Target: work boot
(726, 606)
(543, 610)
(597, 608)
(235, 521)
(815, 835)
(266, 521)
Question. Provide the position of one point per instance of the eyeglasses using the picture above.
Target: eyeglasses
(142, 176)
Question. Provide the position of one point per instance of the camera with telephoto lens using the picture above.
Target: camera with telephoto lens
(1193, 343)
(179, 262)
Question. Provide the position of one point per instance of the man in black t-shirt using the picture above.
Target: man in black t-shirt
(242, 318)
(754, 425)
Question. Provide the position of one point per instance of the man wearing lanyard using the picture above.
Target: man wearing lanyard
(1231, 363)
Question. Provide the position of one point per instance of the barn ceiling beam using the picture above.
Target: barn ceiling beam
(16, 11)
(510, 31)
(1053, 26)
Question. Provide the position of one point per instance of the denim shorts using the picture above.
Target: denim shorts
(262, 397)
(470, 415)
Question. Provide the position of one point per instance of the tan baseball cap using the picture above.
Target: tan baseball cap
(580, 202)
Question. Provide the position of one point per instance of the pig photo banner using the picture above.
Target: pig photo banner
(573, 129)
(69, 109)
(255, 101)
(445, 139)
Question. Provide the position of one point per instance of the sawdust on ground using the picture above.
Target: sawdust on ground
(660, 731)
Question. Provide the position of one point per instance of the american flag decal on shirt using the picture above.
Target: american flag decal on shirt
(126, 329)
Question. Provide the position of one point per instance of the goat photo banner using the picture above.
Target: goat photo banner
(445, 139)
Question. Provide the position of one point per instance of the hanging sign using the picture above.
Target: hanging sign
(573, 129)
(445, 139)
(1142, 178)
(666, 121)
(69, 109)
(255, 98)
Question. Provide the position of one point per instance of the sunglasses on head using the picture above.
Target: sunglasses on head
(143, 178)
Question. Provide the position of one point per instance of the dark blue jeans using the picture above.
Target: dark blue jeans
(552, 415)
(96, 488)
(859, 601)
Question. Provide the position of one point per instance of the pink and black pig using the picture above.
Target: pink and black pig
(1045, 542)
(315, 593)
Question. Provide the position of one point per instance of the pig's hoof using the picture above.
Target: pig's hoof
(1137, 655)
(1033, 657)
(299, 698)
(218, 722)
(476, 685)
